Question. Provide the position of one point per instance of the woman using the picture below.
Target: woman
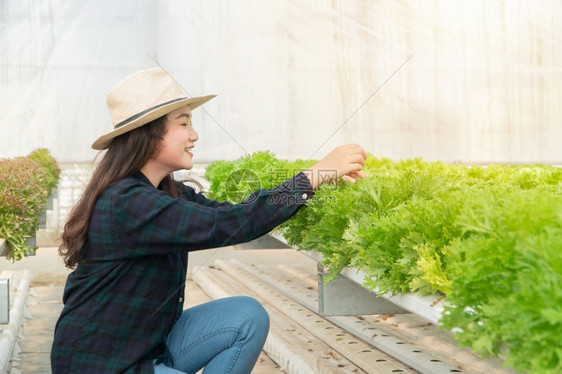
(129, 235)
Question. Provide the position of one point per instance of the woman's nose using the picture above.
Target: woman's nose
(193, 136)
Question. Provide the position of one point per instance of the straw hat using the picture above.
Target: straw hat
(142, 97)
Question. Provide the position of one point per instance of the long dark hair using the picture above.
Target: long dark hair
(127, 154)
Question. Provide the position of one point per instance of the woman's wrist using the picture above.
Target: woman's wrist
(318, 176)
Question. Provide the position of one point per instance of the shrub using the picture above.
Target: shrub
(25, 185)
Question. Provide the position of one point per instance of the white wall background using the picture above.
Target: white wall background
(472, 81)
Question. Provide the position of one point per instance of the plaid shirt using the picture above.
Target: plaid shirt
(121, 304)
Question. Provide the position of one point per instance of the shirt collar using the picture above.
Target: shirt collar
(138, 175)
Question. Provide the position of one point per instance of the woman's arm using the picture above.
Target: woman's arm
(135, 219)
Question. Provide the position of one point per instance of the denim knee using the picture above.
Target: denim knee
(255, 314)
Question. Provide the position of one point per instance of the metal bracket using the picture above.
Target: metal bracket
(343, 297)
(4, 301)
(52, 196)
(43, 219)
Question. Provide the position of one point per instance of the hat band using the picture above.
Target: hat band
(138, 115)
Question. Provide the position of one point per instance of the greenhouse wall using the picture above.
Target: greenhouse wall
(458, 81)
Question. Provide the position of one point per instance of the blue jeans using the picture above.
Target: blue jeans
(224, 336)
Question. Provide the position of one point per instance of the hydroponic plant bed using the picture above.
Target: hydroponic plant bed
(429, 307)
(488, 239)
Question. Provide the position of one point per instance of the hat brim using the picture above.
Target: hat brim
(147, 116)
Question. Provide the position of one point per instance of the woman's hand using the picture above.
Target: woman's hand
(344, 162)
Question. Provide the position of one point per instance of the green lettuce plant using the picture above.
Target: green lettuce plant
(487, 238)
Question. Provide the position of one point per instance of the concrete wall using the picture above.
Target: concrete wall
(471, 81)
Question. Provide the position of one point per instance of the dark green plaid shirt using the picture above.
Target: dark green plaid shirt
(120, 305)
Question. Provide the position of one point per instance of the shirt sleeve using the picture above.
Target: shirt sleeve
(149, 222)
(190, 194)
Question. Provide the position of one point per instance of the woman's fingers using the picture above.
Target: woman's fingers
(349, 179)
(352, 177)
(346, 161)
(357, 174)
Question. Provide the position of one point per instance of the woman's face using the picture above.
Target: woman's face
(176, 147)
